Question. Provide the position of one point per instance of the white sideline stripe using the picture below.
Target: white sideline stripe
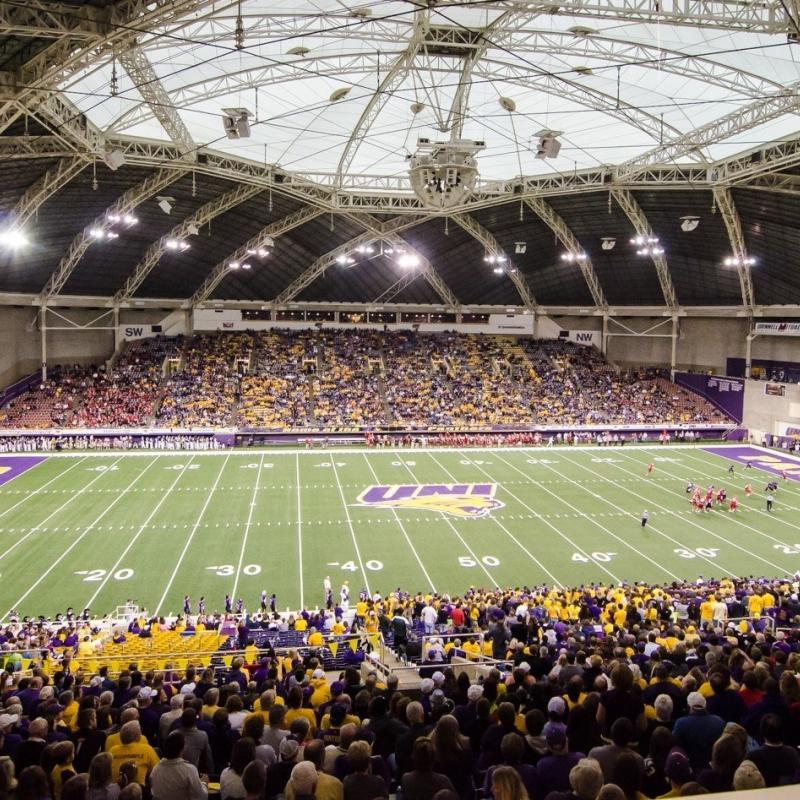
(299, 532)
(650, 525)
(710, 532)
(519, 544)
(130, 544)
(403, 529)
(275, 451)
(78, 539)
(42, 487)
(191, 535)
(350, 524)
(455, 530)
(72, 497)
(564, 536)
(247, 530)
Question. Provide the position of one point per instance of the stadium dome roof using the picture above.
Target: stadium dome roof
(646, 96)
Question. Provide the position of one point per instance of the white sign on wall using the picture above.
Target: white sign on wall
(588, 338)
(778, 328)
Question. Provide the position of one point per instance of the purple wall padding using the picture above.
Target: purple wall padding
(18, 388)
(727, 394)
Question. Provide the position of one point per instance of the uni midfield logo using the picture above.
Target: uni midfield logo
(456, 499)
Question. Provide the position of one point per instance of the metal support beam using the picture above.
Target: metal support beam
(201, 217)
(428, 271)
(86, 44)
(477, 231)
(562, 231)
(284, 225)
(673, 358)
(48, 185)
(30, 147)
(633, 211)
(733, 225)
(148, 84)
(375, 232)
(124, 205)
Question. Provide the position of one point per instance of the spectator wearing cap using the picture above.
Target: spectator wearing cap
(150, 712)
(747, 776)
(622, 734)
(175, 777)
(327, 787)
(10, 740)
(678, 771)
(556, 712)
(87, 739)
(134, 747)
(778, 763)
(585, 781)
(553, 769)
(697, 733)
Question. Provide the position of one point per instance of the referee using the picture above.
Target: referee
(645, 517)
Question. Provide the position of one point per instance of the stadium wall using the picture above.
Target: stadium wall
(768, 413)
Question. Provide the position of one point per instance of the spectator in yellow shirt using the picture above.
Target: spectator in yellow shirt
(133, 747)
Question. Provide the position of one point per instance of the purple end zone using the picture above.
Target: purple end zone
(776, 463)
(11, 466)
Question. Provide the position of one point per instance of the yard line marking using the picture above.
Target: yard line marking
(299, 531)
(403, 529)
(733, 519)
(713, 562)
(43, 486)
(350, 525)
(132, 542)
(247, 530)
(533, 558)
(784, 487)
(622, 541)
(72, 497)
(453, 528)
(191, 535)
(77, 540)
(566, 538)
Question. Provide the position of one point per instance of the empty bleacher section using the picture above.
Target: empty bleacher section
(350, 379)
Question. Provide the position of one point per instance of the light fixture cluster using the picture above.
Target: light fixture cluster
(647, 246)
(744, 261)
(498, 260)
(177, 245)
(13, 239)
(256, 251)
(107, 233)
(571, 258)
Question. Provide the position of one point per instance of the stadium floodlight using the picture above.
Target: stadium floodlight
(744, 261)
(608, 242)
(234, 265)
(443, 174)
(341, 259)
(97, 233)
(112, 235)
(408, 261)
(495, 258)
(573, 257)
(246, 266)
(650, 250)
(235, 123)
(130, 220)
(13, 239)
(645, 241)
(689, 223)
(498, 270)
(172, 244)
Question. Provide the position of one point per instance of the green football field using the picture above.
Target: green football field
(95, 530)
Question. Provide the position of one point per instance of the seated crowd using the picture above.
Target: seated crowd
(619, 692)
(353, 378)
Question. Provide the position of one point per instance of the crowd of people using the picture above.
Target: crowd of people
(613, 692)
(353, 379)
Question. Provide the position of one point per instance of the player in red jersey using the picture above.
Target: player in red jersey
(649, 468)
(734, 504)
(784, 475)
(748, 490)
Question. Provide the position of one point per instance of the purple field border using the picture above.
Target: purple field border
(12, 466)
(775, 463)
